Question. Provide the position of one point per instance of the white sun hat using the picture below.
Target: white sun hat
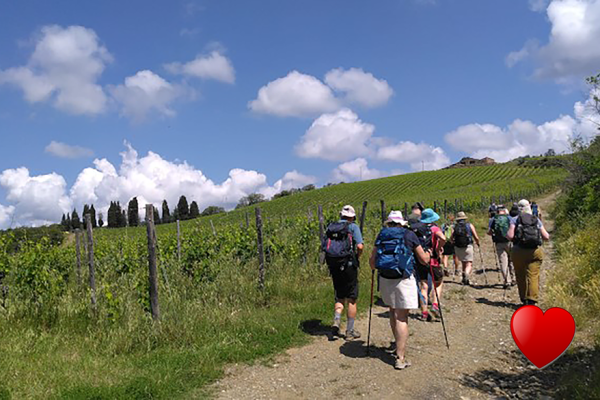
(348, 211)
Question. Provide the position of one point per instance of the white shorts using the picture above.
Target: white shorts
(464, 254)
(399, 293)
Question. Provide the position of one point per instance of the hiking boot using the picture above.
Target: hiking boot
(465, 281)
(402, 364)
(391, 349)
(435, 310)
(424, 316)
(446, 273)
(353, 334)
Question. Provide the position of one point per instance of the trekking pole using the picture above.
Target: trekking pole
(497, 261)
(482, 265)
(370, 312)
(439, 306)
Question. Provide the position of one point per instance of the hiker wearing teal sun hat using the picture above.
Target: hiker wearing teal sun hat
(428, 216)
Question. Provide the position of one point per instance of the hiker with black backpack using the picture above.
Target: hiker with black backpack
(394, 254)
(463, 237)
(498, 229)
(447, 230)
(343, 245)
(527, 233)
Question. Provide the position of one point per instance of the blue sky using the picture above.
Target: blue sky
(380, 88)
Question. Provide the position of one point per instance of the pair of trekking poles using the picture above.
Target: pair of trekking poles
(371, 309)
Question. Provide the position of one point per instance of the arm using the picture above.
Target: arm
(545, 234)
(359, 249)
(441, 241)
(422, 256)
(511, 232)
(475, 236)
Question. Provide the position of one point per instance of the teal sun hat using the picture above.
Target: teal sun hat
(428, 216)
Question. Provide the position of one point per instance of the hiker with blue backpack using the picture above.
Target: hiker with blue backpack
(463, 237)
(498, 229)
(528, 234)
(394, 254)
(343, 245)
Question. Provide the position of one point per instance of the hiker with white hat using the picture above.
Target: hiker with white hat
(463, 237)
(394, 256)
(434, 241)
(343, 246)
(527, 233)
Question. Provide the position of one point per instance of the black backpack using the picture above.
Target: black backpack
(338, 245)
(527, 233)
(423, 232)
(462, 234)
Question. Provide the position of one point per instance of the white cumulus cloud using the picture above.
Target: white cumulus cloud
(64, 69)
(355, 170)
(144, 93)
(572, 50)
(64, 150)
(419, 156)
(359, 87)
(337, 137)
(213, 66)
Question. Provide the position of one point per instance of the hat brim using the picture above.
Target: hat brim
(457, 218)
(431, 218)
(401, 222)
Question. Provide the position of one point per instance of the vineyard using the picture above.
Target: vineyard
(213, 311)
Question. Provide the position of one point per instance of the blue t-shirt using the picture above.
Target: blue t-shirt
(513, 221)
(355, 231)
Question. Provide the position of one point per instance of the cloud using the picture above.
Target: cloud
(291, 180)
(64, 69)
(146, 92)
(419, 156)
(64, 150)
(6, 213)
(359, 87)
(355, 170)
(295, 95)
(35, 200)
(212, 66)
(572, 50)
(336, 137)
(538, 5)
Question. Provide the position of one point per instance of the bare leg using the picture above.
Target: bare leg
(400, 330)
(351, 308)
(424, 289)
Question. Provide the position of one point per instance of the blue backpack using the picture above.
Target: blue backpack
(394, 259)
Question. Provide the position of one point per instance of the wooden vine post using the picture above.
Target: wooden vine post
(382, 212)
(362, 217)
(78, 254)
(406, 211)
(178, 242)
(445, 209)
(152, 274)
(261, 253)
(321, 232)
(90, 249)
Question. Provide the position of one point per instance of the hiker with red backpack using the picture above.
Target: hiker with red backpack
(463, 237)
(527, 233)
(394, 254)
(498, 229)
(434, 240)
(343, 246)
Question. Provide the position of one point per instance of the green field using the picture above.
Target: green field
(54, 345)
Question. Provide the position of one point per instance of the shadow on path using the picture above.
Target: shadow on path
(358, 349)
(505, 304)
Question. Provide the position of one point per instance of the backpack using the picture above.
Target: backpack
(534, 209)
(447, 230)
(462, 234)
(527, 233)
(338, 245)
(423, 232)
(394, 259)
(500, 226)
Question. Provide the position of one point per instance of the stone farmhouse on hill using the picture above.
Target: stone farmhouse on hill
(472, 162)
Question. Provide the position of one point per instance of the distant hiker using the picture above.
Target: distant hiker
(527, 233)
(417, 209)
(343, 246)
(492, 210)
(534, 210)
(498, 229)
(447, 230)
(434, 241)
(463, 237)
(514, 211)
(394, 256)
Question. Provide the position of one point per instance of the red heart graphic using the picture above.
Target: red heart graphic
(542, 337)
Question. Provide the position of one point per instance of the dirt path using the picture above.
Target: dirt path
(483, 361)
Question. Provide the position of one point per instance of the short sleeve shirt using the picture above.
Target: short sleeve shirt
(355, 231)
(411, 240)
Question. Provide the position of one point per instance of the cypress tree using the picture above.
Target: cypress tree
(133, 212)
(100, 220)
(86, 211)
(166, 215)
(156, 216)
(93, 215)
(112, 215)
(183, 210)
(194, 211)
(175, 214)
(75, 222)
(124, 219)
(63, 222)
(68, 223)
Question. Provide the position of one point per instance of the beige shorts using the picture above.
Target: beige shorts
(399, 293)
(464, 254)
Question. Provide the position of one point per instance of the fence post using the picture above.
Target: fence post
(456, 206)
(152, 274)
(178, 242)
(247, 220)
(405, 210)
(321, 232)
(435, 206)
(445, 209)
(261, 253)
(90, 248)
(382, 212)
(78, 253)
(362, 217)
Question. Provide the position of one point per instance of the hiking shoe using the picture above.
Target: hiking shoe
(353, 334)
(335, 330)
(446, 273)
(391, 349)
(424, 316)
(435, 310)
(402, 364)
(465, 281)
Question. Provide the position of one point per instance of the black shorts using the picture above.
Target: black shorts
(345, 282)
(448, 249)
(423, 272)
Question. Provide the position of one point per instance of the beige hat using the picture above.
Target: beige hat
(524, 206)
(396, 216)
(461, 215)
(348, 211)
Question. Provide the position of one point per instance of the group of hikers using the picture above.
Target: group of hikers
(411, 258)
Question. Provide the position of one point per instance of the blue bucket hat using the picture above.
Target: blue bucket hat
(428, 216)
